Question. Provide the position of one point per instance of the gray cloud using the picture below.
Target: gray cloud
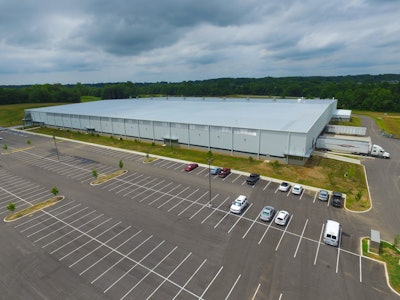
(175, 40)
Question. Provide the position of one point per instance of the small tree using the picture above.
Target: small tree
(54, 191)
(11, 206)
(95, 174)
(121, 164)
(28, 142)
(5, 147)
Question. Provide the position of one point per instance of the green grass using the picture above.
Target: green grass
(89, 98)
(389, 254)
(387, 122)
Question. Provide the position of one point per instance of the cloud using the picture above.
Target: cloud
(175, 40)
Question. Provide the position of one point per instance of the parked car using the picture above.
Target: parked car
(224, 172)
(215, 170)
(238, 205)
(323, 195)
(282, 218)
(284, 186)
(191, 167)
(297, 189)
(253, 178)
(337, 199)
(267, 213)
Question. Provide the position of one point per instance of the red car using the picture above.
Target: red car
(191, 167)
(224, 172)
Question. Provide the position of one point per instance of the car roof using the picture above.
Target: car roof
(283, 212)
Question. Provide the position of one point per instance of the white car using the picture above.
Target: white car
(284, 186)
(282, 218)
(297, 189)
(238, 205)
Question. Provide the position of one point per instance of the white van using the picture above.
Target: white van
(333, 233)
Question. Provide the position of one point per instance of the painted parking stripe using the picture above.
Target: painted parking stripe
(241, 216)
(255, 293)
(265, 232)
(211, 282)
(184, 199)
(301, 237)
(283, 233)
(319, 244)
(110, 239)
(269, 182)
(169, 275)
(193, 202)
(214, 210)
(233, 286)
(148, 273)
(90, 240)
(252, 223)
(155, 191)
(109, 253)
(163, 194)
(136, 264)
(204, 206)
(190, 278)
(174, 196)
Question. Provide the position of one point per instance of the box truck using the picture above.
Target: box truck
(350, 144)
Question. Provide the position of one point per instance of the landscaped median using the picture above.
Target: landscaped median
(389, 255)
(106, 177)
(33, 209)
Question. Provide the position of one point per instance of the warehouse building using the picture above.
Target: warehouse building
(263, 128)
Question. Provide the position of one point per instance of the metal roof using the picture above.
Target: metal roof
(266, 114)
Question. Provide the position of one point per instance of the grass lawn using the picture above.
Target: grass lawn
(388, 122)
(391, 256)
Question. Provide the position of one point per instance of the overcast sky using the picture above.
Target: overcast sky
(90, 41)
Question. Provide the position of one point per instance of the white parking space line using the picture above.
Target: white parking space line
(301, 237)
(46, 219)
(280, 296)
(62, 227)
(131, 268)
(190, 278)
(68, 225)
(191, 204)
(155, 191)
(53, 210)
(184, 199)
(255, 293)
(169, 275)
(98, 247)
(174, 196)
(204, 206)
(121, 259)
(214, 210)
(148, 273)
(283, 233)
(227, 213)
(211, 282)
(233, 286)
(71, 241)
(319, 244)
(202, 171)
(315, 197)
(265, 232)
(146, 188)
(138, 186)
(360, 270)
(237, 177)
(252, 223)
(109, 253)
(269, 182)
(337, 258)
(90, 240)
(163, 194)
(238, 219)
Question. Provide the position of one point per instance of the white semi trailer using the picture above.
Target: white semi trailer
(350, 144)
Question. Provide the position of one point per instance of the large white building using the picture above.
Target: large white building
(262, 127)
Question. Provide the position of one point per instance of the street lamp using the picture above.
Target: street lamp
(210, 160)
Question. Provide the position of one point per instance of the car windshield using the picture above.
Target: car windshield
(284, 184)
(238, 203)
(323, 193)
(266, 212)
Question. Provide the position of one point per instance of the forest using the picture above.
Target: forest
(362, 92)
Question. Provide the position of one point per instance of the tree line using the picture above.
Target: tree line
(361, 92)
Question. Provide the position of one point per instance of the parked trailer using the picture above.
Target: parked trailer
(350, 144)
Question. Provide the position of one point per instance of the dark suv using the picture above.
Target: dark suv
(252, 179)
(337, 199)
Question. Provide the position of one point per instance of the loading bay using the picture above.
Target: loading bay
(152, 234)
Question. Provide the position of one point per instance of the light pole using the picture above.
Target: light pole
(210, 160)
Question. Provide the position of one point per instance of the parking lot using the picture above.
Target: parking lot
(151, 233)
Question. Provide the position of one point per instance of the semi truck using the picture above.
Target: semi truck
(350, 144)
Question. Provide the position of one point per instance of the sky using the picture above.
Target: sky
(92, 41)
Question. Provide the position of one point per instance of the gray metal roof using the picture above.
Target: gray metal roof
(267, 114)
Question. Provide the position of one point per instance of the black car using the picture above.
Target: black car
(337, 199)
(253, 178)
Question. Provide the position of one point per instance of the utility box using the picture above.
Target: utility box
(374, 244)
